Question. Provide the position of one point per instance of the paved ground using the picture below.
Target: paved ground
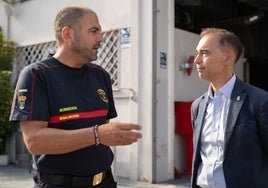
(13, 176)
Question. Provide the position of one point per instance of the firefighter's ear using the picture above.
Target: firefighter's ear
(67, 33)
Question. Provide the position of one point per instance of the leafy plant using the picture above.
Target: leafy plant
(7, 54)
(7, 1)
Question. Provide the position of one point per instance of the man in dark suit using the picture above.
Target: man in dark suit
(230, 121)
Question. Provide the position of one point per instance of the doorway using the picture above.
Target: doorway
(257, 73)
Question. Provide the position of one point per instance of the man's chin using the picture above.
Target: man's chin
(202, 76)
(93, 59)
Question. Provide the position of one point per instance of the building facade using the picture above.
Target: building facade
(148, 79)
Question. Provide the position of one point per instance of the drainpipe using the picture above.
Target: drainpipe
(10, 12)
(154, 85)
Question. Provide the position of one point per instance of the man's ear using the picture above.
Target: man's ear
(67, 33)
(230, 56)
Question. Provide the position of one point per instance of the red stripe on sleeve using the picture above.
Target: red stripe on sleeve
(78, 115)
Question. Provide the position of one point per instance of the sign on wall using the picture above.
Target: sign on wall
(125, 37)
(163, 60)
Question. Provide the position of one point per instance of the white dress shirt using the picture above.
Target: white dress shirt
(210, 172)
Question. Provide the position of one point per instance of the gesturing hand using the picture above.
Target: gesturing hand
(115, 134)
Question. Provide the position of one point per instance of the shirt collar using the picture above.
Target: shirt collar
(226, 89)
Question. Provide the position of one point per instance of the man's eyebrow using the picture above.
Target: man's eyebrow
(202, 51)
(95, 28)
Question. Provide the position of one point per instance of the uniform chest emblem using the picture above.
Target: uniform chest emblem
(22, 98)
(103, 95)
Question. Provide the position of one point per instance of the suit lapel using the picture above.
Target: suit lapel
(237, 99)
(200, 120)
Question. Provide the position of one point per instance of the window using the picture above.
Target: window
(108, 56)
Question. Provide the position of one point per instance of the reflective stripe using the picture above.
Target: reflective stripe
(78, 115)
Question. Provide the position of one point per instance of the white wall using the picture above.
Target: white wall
(36, 24)
(3, 18)
(187, 87)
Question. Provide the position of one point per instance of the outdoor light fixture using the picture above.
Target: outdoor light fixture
(253, 18)
(187, 66)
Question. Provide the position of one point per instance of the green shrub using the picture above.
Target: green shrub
(6, 94)
(7, 54)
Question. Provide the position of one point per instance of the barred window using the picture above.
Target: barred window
(108, 55)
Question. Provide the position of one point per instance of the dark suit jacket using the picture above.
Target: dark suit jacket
(245, 162)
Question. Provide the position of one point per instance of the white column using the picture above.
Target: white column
(170, 99)
(145, 82)
(164, 92)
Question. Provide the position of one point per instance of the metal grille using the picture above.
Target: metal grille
(108, 55)
(33, 53)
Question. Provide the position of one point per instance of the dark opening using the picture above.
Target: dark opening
(257, 73)
(247, 18)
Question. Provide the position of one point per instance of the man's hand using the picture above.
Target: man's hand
(115, 134)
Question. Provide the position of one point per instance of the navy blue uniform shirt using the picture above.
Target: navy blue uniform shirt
(67, 98)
